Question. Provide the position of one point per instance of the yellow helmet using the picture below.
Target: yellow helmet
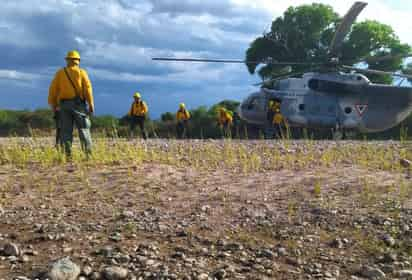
(182, 105)
(73, 55)
(136, 95)
(222, 109)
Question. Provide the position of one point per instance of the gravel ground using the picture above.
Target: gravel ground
(330, 217)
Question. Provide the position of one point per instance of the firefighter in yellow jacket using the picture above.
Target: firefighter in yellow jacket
(138, 113)
(182, 118)
(71, 94)
(279, 123)
(225, 121)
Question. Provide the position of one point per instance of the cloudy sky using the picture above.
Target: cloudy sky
(117, 39)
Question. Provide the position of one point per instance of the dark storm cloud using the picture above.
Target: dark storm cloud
(117, 39)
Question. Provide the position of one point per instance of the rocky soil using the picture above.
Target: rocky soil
(153, 220)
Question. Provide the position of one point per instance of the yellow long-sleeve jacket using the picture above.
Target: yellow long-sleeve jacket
(225, 118)
(138, 109)
(61, 88)
(278, 118)
(182, 115)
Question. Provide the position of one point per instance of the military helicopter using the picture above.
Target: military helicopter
(328, 97)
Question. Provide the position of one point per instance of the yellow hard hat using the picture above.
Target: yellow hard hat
(136, 95)
(271, 103)
(73, 55)
(222, 109)
(182, 105)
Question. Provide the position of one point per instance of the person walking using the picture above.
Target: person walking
(182, 118)
(225, 120)
(71, 94)
(138, 113)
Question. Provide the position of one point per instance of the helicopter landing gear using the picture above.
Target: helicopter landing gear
(338, 133)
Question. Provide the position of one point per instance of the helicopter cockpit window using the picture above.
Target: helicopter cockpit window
(253, 103)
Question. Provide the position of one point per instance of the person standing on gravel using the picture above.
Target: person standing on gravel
(137, 114)
(71, 93)
(278, 122)
(182, 118)
(225, 120)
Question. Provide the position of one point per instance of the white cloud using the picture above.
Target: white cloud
(17, 75)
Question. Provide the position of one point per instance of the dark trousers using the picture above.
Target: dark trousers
(73, 113)
(278, 132)
(138, 121)
(182, 129)
(56, 118)
(226, 130)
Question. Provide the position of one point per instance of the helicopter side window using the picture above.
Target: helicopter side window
(348, 110)
(302, 107)
(252, 103)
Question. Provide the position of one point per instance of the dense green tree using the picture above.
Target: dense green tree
(168, 116)
(304, 33)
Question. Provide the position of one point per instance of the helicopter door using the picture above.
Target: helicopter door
(322, 110)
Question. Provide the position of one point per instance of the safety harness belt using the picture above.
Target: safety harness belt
(71, 82)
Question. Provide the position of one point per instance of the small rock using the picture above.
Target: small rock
(372, 273)
(220, 274)
(267, 254)
(11, 249)
(114, 273)
(116, 237)
(181, 233)
(126, 214)
(87, 270)
(404, 274)
(293, 261)
(67, 250)
(405, 163)
(95, 276)
(205, 208)
(106, 251)
(389, 258)
(64, 269)
(281, 251)
(24, 259)
(389, 240)
(337, 243)
(202, 276)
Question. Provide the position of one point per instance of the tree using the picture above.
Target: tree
(304, 33)
(168, 116)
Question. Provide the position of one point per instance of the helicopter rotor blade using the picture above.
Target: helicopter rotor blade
(279, 77)
(344, 27)
(375, 59)
(377, 72)
(230, 61)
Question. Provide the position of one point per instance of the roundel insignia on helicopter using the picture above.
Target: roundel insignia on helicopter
(361, 109)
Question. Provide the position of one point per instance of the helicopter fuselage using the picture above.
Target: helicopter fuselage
(332, 100)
